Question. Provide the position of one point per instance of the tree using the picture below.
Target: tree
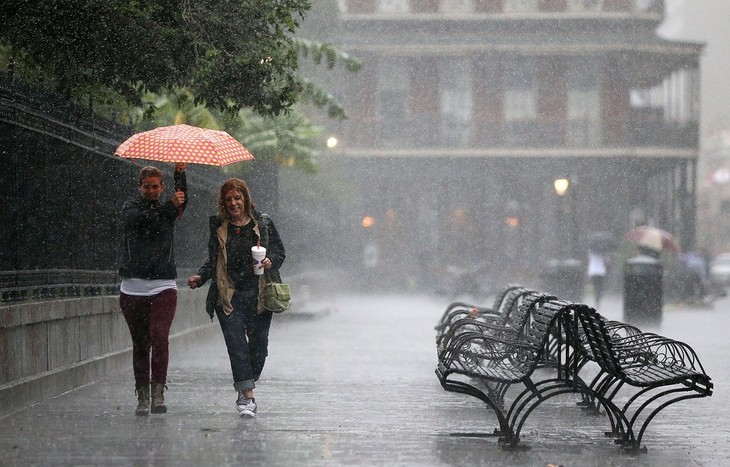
(311, 91)
(228, 54)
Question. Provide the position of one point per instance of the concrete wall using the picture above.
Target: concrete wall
(50, 347)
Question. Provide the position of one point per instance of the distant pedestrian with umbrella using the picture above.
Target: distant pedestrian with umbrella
(597, 272)
(234, 293)
(148, 291)
(600, 244)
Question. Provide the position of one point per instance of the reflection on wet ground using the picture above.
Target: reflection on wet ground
(352, 382)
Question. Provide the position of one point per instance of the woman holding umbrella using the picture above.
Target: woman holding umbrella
(148, 291)
(150, 225)
(234, 292)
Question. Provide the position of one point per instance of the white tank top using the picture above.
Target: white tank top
(145, 287)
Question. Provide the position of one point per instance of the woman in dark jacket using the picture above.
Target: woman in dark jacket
(234, 292)
(148, 292)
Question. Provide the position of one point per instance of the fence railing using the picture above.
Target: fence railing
(56, 283)
(51, 284)
(31, 107)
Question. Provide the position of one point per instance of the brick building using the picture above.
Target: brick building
(466, 112)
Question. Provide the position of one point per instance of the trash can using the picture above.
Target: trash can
(564, 278)
(643, 294)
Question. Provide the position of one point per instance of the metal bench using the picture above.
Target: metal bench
(511, 318)
(502, 304)
(485, 364)
(664, 370)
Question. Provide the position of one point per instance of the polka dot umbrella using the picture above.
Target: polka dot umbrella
(184, 143)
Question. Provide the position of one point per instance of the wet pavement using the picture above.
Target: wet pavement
(351, 381)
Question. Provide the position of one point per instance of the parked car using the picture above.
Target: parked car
(720, 269)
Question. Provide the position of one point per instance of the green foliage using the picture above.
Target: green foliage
(291, 140)
(324, 51)
(171, 108)
(153, 63)
(313, 93)
(228, 54)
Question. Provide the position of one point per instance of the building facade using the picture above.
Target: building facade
(466, 112)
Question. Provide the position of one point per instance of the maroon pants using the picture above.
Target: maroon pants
(149, 320)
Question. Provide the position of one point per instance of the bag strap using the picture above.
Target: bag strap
(265, 228)
(268, 276)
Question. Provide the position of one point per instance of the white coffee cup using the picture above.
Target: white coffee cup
(258, 253)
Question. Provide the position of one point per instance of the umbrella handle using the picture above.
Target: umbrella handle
(179, 177)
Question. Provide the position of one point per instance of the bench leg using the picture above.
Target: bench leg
(462, 387)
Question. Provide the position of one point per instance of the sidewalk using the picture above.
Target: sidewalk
(354, 384)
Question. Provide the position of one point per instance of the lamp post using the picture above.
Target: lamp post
(564, 276)
(561, 186)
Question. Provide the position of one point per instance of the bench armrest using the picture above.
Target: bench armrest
(460, 311)
(658, 349)
(484, 347)
(474, 325)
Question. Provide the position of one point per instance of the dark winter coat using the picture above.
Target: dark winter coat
(148, 250)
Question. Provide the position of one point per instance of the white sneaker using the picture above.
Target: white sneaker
(246, 407)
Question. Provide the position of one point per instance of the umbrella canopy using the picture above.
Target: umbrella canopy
(184, 143)
(601, 241)
(653, 238)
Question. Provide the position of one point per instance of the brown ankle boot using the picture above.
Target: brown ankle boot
(158, 399)
(143, 399)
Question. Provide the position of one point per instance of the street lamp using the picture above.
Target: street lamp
(566, 274)
(561, 186)
(567, 200)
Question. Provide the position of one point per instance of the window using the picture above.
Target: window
(520, 100)
(514, 6)
(584, 117)
(456, 101)
(488, 6)
(424, 6)
(677, 97)
(552, 5)
(360, 6)
(392, 91)
(617, 5)
(584, 5)
(682, 94)
(456, 6)
(520, 104)
(392, 6)
(584, 103)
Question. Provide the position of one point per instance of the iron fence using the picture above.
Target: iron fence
(56, 283)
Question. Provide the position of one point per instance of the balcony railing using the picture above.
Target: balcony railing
(511, 7)
(431, 133)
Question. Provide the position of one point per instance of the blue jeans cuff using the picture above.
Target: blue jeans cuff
(244, 385)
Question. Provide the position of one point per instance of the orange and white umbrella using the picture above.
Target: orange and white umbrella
(653, 238)
(184, 143)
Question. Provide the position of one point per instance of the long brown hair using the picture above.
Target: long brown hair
(241, 187)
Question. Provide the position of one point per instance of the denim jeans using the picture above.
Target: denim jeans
(247, 338)
(149, 320)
